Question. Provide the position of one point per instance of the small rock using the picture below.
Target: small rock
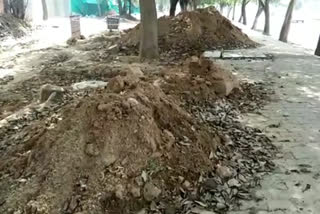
(116, 84)
(119, 192)
(210, 184)
(47, 90)
(91, 150)
(143, 211)
(170, 210)
(186, 184)
(109, 159)
(151, 192)
(135, 191)
(168, 138)
(223, 172)
(234, 183)
(221, 206)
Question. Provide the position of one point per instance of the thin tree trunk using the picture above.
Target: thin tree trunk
(120, 7)
(259, 12)
(195, 4)
(44, 10)
(287, 21)
(173, 6)
(125, 7)
(6, 6)
(317, 52)
(130, 7)
(149, 30)
(229, 11)
(99, 8)
(243, 12)
(266, 30)
(234, 9)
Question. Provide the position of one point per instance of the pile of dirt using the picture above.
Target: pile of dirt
(115, 151)
(11, 26)
(193, 32)
(199, 80)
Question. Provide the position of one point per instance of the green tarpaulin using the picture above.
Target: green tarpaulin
(90, 7)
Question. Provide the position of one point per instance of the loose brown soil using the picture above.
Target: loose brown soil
(151, 126)
(192, 32)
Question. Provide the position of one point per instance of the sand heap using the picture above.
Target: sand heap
(116, 151)
(193, 32)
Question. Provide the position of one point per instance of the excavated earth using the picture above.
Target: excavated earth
(192, 32)
(155, 139)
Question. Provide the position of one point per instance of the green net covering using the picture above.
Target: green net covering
(91, 7)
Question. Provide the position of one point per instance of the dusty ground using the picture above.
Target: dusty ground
(142, 142)
(291, 119)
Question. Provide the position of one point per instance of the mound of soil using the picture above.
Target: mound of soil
(193, 32)
(11, 26)
(112, 152)
(199, 80)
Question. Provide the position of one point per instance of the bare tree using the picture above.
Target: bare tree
(266, 8)
(149, 30)
(259, 12)
(287, 21)
(243, 16)
(234, 9)
(44, 10)
(317, 52)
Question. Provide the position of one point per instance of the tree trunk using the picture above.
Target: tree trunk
(266, 30)
(195, 4)
(183, 5)
(243, 12)
(149, 30)
(130, 7)
(18, 8)
(120, 7)
(229, 11)
(99, 7)
(44, 10)
(259, 11)
(173, 6)
(234, 9)
(125, 7)
(6, 6)
(287, 21)
(317, 52)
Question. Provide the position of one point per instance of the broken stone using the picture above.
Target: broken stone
(109, 159)
(120, 192)
(135, 191)
(88, 84)
(116, 84)
(151, 192)
(168, 138)
(135, 70)
(223, 172)
(210, 184)
(91, 150)
(47, 90)
(186, 184)
(233, 183)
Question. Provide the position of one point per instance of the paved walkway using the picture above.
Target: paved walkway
(294, 114)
